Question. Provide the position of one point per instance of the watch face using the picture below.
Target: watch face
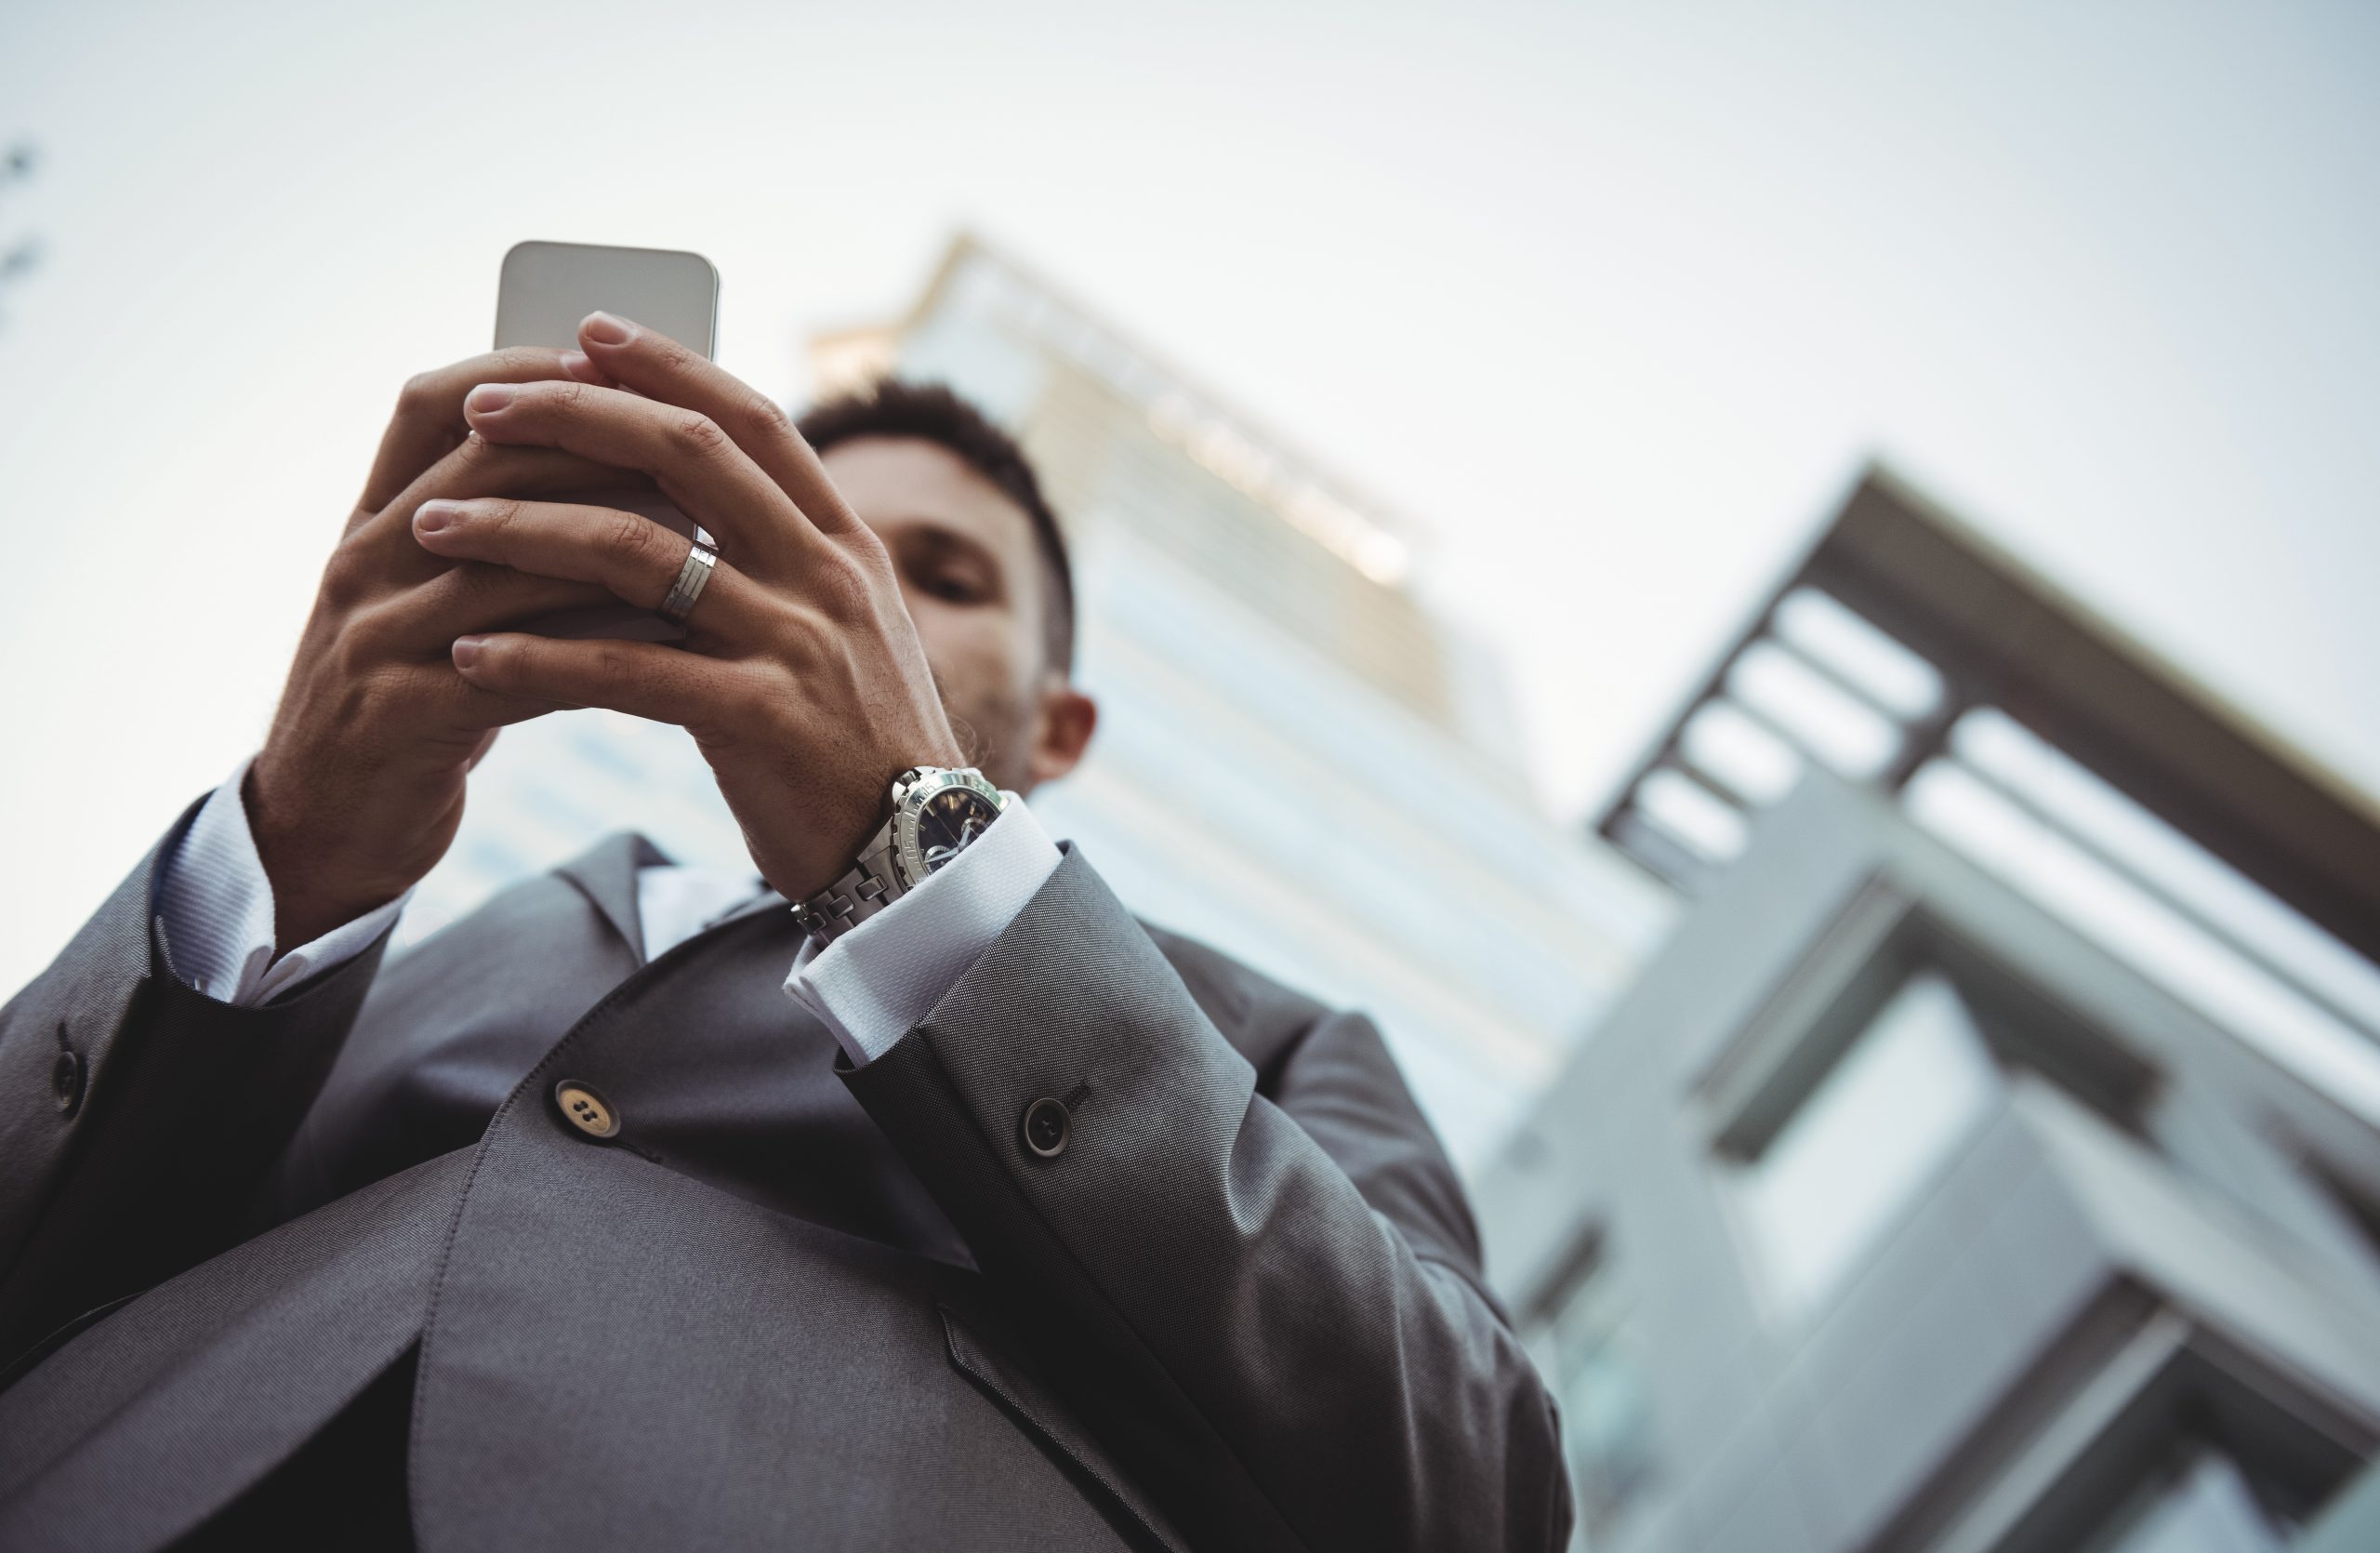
(941, 812)
(950, 820)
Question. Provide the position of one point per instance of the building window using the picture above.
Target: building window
(2156, 899)
(1587, 1351)
(1910, 1090)
(2348, 1194)
(2205, 1504)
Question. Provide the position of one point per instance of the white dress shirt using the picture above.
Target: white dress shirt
(869, 986)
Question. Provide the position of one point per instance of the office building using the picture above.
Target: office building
(1989, 1161)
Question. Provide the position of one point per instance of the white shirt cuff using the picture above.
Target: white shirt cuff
(218, 908)
(874, 984)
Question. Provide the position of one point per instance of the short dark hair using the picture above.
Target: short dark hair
(932, 412)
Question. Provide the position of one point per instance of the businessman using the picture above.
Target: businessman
(904, 1192)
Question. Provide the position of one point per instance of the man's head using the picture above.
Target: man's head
(982, 568)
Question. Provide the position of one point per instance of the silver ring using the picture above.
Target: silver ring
(692, 578)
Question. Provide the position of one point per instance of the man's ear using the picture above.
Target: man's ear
(1061, 729)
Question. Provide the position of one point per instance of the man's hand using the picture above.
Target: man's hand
(802, 680)
(360, 784)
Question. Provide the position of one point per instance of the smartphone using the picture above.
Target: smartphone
(545, 289)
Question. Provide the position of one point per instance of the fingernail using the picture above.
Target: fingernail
(431, 516)
(488, 398)
(467, 651)
(575, 364)
(604, 330)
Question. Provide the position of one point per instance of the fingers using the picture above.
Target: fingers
(632, 557)
(425, 620)
(437, 710)
(477, 468)
(690, 456)
(476, 707)
(642, 679)
(661, 369)
(429, 421)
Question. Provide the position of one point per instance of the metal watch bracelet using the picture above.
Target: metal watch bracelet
(893, 861)
(866, 888)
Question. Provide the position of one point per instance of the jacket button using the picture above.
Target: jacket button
(66, 1082)
(586, 1110)
(1046, 1124)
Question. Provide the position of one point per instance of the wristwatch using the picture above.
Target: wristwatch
(937, 811)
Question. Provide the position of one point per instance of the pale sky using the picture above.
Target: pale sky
(1617, 299)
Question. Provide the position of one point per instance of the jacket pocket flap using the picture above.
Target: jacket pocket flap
(1023, 1397)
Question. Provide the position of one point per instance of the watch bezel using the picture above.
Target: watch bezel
(909, 808)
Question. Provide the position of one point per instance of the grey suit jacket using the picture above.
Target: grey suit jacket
(792, 1303)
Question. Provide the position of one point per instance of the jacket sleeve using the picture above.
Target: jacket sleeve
(136, 1111)
(1272, 1311)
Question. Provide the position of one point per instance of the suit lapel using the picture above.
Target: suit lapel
(605, 873)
